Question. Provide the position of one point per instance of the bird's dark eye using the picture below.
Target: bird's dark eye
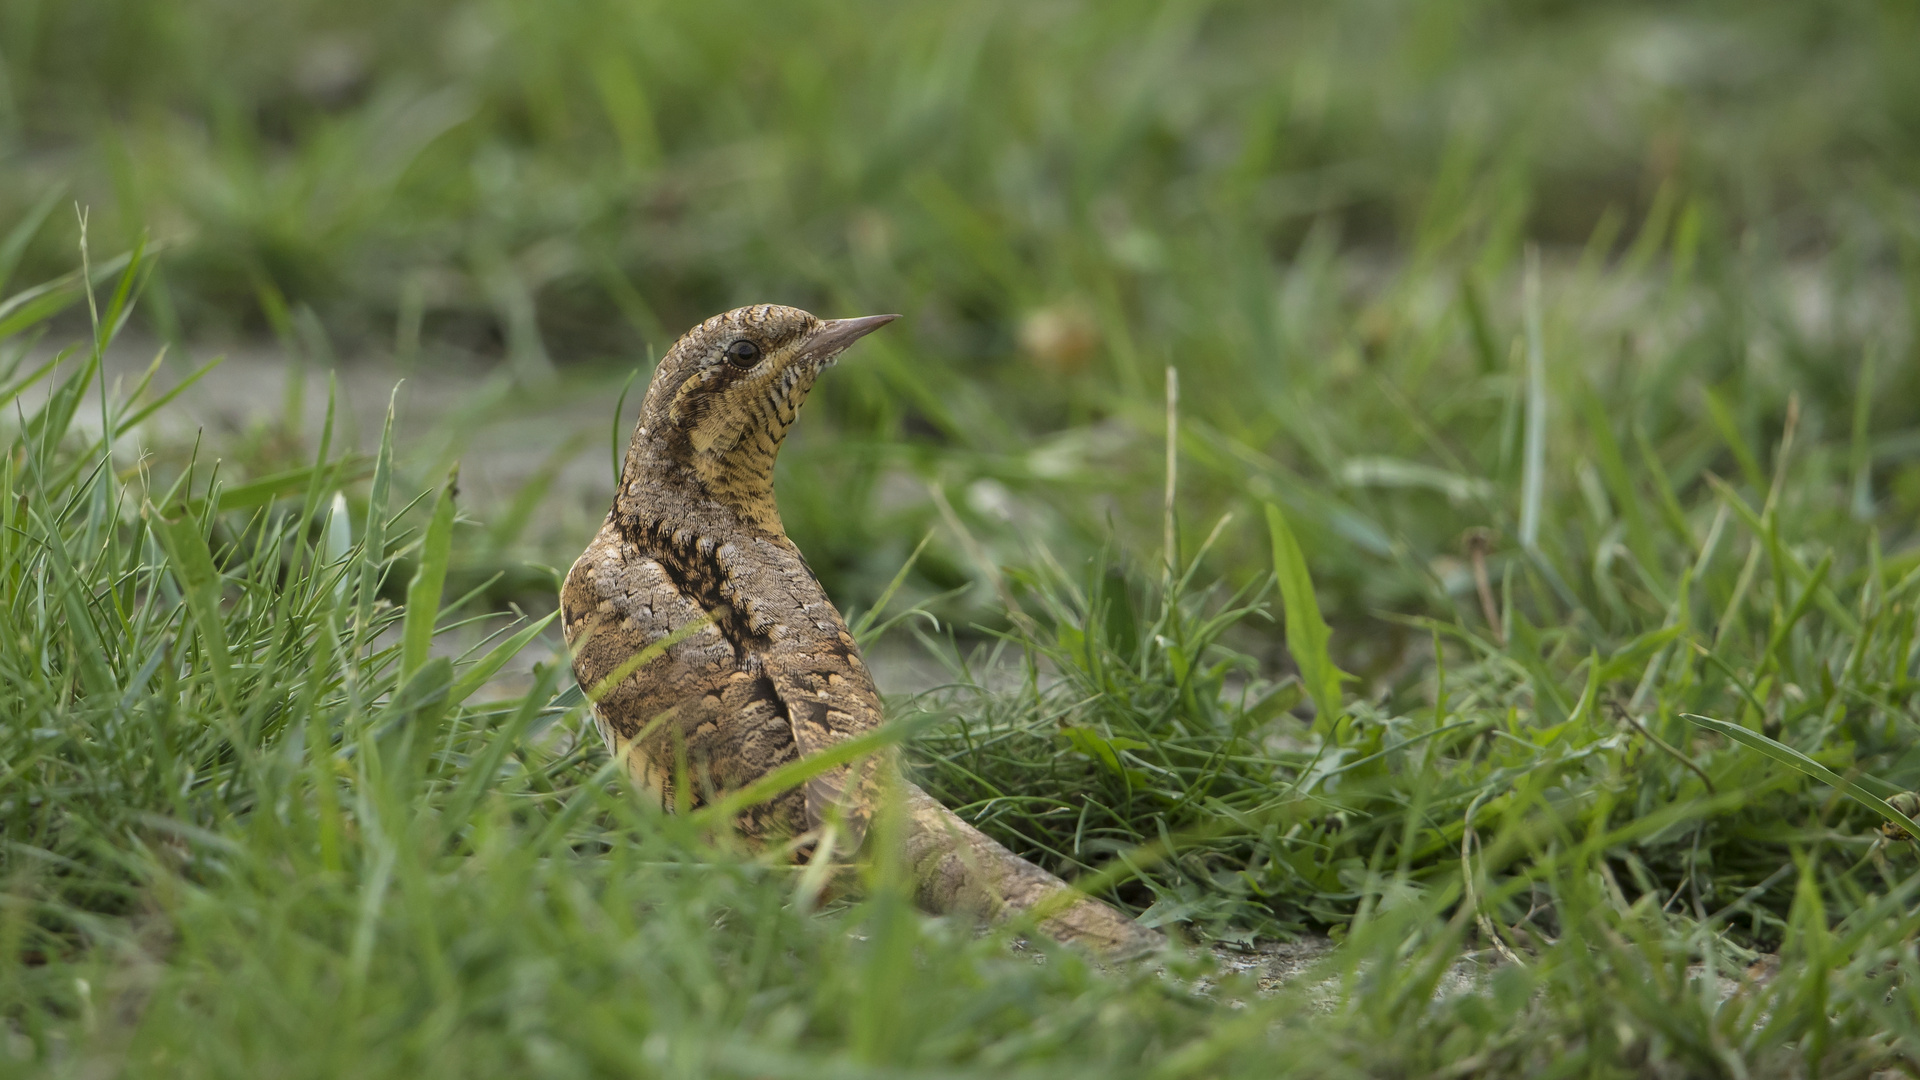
(743, 354)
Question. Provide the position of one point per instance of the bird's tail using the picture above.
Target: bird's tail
(959, 869)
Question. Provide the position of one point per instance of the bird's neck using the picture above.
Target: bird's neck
(730, 490)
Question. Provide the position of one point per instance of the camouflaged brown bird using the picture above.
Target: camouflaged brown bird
(721, 655)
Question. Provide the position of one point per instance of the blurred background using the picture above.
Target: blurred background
(1317, 212)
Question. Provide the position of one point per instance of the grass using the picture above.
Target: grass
(1572, 351)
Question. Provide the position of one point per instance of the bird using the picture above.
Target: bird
(759, 669)
(712, 655)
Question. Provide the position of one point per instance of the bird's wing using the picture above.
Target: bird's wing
(619, 607)
(830, 697)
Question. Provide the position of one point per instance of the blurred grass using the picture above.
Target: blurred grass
(1291, 201)
(1669, 465)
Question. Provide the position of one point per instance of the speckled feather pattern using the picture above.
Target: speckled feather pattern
(765, 670)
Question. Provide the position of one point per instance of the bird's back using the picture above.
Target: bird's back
(716, 656)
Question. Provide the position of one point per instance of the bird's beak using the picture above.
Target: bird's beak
(835, 335)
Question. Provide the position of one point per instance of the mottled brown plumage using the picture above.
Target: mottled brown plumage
(763, 670)
(713, 655)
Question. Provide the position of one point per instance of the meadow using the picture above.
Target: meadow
(1441, 478)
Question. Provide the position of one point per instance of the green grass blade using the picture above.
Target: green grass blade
(192, 564)
(33, 307)
(1794, 759)
(1534, 457)
(1859, 455)
(1307, 632)
(429, 580)
(127, 422)
(14, 247)
(483, 669)
(373, 547)
(256, 493)
(794, 773)
(13, 390)
(619, 432)
(1729, 429)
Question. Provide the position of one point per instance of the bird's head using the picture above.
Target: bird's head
(723, 398)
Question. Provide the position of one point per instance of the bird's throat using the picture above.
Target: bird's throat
(730, 485)
(741, 480)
